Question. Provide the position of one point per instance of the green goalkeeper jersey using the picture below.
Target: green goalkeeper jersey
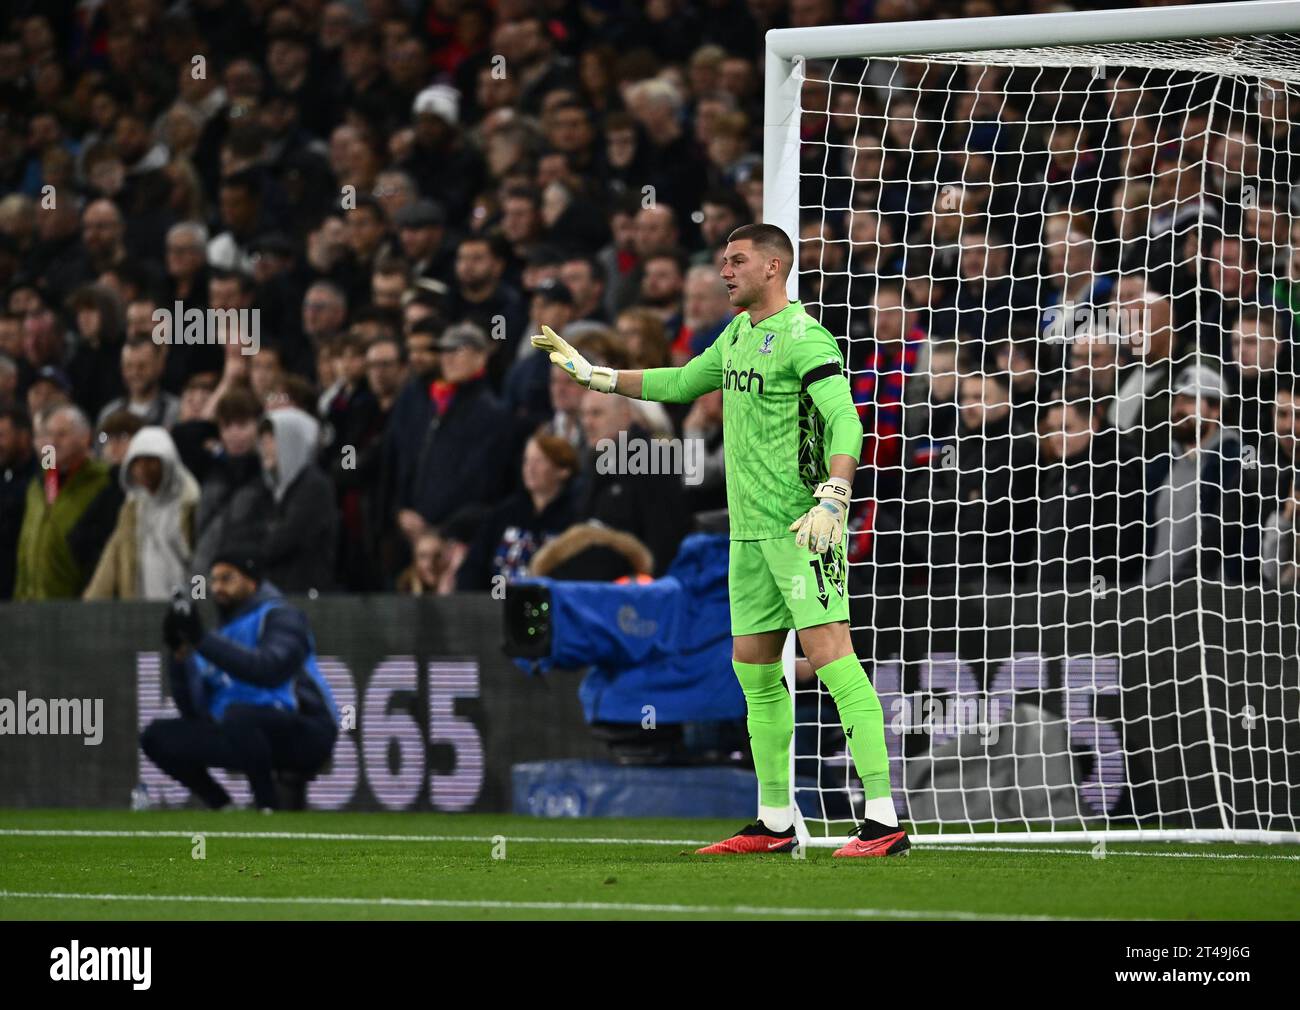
(786, 410)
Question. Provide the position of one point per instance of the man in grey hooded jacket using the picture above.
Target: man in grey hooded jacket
(299, 517)
(1194, 513)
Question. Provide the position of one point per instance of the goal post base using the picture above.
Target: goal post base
(1204, 835)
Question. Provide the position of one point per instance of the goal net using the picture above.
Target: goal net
(1066, 280)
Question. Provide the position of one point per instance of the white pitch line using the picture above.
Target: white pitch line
(921, 843)
(330, 836)
(547, 906)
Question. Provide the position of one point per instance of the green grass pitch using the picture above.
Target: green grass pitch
(77, 864)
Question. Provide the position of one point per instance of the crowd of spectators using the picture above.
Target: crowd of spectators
(1066, 299)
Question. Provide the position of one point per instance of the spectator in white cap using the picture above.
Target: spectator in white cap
(438, 100)
(442, 163)
(1195, 513)
(1197, 382)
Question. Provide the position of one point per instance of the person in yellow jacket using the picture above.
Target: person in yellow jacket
(57, 497)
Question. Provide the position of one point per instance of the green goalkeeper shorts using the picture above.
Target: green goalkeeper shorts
(774, 585)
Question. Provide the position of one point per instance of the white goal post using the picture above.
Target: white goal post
(1084, 229)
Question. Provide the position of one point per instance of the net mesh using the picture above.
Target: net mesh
(1066, 282)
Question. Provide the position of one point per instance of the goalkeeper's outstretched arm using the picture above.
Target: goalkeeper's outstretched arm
(700, 375)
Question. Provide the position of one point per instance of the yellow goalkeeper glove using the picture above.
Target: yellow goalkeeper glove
(562, 353)
(822, 526)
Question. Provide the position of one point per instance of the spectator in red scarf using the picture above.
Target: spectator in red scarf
(878, 381)
(460, 454)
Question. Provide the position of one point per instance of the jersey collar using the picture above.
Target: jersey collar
(750, 324)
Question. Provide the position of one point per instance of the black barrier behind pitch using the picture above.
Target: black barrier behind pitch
(438, 715)
(435, 715)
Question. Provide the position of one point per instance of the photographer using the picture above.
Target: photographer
(251, 696)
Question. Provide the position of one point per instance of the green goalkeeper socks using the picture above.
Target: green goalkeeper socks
(863, 721)
(771, 727)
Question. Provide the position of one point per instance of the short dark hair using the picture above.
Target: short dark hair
(628, 204)
(392, 266)
(289, 35)
(888, 284)
(429, 326)
(1080, 405)
(386, 319)
(769, 238)
(729, 198)
(144, 340)
(1001, 377)
(239, 403)
(589, 261)
(397, 342)
(619, 120)
(668, 253)
(206, 381)
(545, 255)
(1263, 316)
(248, 179)
(572, 103)
(302, 393)
(528, 193)
(121, 422)
(134, 275)
(231, 274)
(1289, 384)
(369, 204)
(247, 140)
(423, 296)
(495, 242)
(348, 340)
(132, 114)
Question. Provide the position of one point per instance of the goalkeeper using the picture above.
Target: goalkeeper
(791, 442)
